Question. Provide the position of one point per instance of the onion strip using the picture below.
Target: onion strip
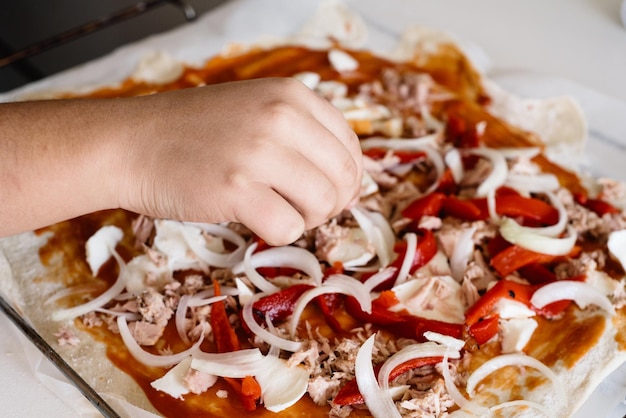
(580, 292)
(149, 359)
(499, 170)
(336, 283)
(529, 239)
(100, 300)
(378, 401)
(378, 233)
(409, 256)
(410, 352)
(213, 258)
(264, 334)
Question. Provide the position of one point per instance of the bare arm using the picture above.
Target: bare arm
(268, 153)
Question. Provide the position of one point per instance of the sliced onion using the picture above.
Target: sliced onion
(529, 239)
(264, 334)
(514, 359)
(376, 279)
(259, 281)
(148, 359)
(535, 183)
(185, 302)
(499, 170)
(336, 283)
(378, 232)
(281, 385)
(617, 246)
(287, 256)
(74, 290)
(455, 164)
(235, 364)
(100, 300)
(378, 402)
(558, 228)
(463, 250)
(580, 292)
(180, 316)
(213, 258)
(456, 396)
(410, 352)
(491, 206)
(454, 344)
(409, 256)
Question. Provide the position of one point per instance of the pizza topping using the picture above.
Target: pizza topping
(100, 246)
(342, 61)
(617, 246)
(530, 240)
(377, 399)
(99, 301)
(580, 292)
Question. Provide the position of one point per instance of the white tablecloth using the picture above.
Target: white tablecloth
(535, 48)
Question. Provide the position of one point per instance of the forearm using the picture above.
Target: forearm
(56, 161)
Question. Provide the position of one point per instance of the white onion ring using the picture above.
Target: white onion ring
(463, 250)
(287, 256)
(536, 183)
(213, 258)
(99, 301)
(529, 239)
(499, 169)
(378, 402)
(152, 360)
(264, 334)
(580, 292)
(455, 164)
(377, 231)
(180, 316)
(409, 256)
(411, 352)
(456, 396)
(373, 281)
(514, 359)
(336, 283)
(235, 364)
(522, 403)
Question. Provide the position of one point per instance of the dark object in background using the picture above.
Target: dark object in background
(32, 22)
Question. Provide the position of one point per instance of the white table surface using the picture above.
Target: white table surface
(580, 41)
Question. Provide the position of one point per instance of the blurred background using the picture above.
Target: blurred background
(27, 22)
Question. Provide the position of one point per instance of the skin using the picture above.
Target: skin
(268, 153)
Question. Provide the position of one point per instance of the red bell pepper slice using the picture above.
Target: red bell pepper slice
(485, 306)
(599, 206)
(226, 341)
(528, 208)
(484, 329)
(349, 393)
(464, 209)
(401, 324)
(428, 205)
(248, 390)
(515, 257)
(279, 305)
(447, 185)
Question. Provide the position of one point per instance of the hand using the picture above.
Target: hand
(268, 153)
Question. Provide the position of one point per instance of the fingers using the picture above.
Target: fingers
(270, 216)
